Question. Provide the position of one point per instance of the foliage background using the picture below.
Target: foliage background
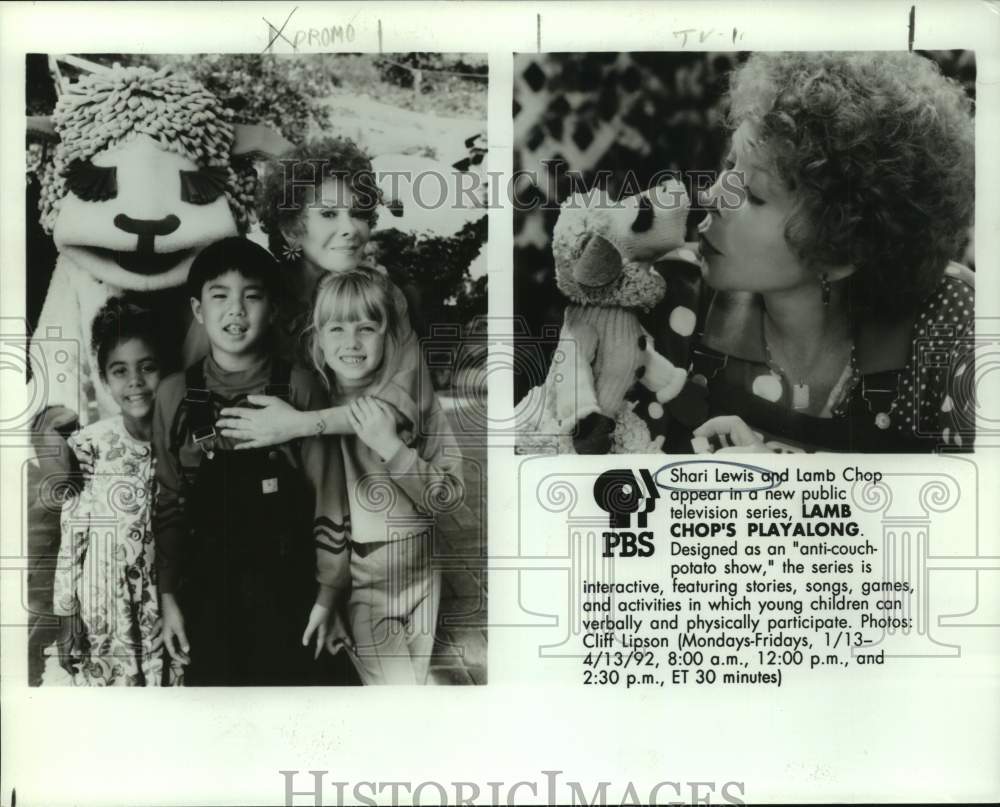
(629, 115)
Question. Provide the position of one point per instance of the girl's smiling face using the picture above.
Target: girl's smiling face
(132, 374)
(352, 351)
(334, 229)
(743, 237)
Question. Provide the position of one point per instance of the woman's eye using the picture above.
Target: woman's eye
(92, 183)
(754, 200)
(367, 329)
(148, 369)
(118, 372)
(729, 164)
(204, 186)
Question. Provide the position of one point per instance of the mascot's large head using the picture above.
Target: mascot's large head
(143, 176)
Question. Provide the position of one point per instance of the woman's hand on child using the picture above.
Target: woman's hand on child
(318, 617)
(732, 432)
(273, 423)
(375, 424)
(173, 630)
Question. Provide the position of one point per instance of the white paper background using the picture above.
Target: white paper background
(916, 731)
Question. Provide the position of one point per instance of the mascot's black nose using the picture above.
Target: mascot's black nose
(147, 229)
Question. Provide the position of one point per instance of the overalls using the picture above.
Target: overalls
(247, 579)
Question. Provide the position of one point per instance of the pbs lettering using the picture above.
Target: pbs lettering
(620, 493)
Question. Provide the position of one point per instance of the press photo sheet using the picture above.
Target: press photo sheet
(500, 403)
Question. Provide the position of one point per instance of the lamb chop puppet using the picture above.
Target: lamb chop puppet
(607, 384)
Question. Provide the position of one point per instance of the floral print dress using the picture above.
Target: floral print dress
(106, 571)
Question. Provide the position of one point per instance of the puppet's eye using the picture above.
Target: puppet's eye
(204, 186)
(92, 183)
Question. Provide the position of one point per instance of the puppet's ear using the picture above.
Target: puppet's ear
(254, 139)
(599, 264)
(40, 127)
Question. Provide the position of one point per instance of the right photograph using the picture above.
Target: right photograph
(744, 252)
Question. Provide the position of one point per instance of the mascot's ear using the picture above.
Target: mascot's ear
(40, 127)
(254, 139)
(599, 264)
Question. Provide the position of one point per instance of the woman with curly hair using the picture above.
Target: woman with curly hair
(318, 205)
(838, 320)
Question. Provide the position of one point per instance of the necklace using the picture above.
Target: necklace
(801, 392)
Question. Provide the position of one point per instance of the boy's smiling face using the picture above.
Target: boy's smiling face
(236, 312)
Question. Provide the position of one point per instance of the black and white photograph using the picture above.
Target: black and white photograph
(750, 252)
(254, 298)
(486, 402)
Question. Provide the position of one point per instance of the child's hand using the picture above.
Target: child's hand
(85, 453)
(155, 641)
(316, 624)
(338, 636)
(173, 630)
(375, 425)
(68, 643)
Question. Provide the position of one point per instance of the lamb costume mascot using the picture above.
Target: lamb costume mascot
(148, 169)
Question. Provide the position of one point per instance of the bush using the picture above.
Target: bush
(434, 272)
(265, 89)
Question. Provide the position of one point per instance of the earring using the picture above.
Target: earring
(291, 252)
(824, 288)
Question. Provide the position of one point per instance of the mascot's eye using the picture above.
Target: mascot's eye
(92, 183)
(204, 186)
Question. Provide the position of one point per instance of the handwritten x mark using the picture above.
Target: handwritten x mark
(279, 31)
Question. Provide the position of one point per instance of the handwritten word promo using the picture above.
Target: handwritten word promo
(323, 37)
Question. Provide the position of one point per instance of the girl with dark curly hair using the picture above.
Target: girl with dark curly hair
(318, 205)
(106, 587)
(838, 320)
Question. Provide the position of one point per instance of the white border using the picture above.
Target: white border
(917, 739)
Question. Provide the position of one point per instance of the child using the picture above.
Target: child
(318, 206)
(232, 528)
(392, 486)
(106, 576)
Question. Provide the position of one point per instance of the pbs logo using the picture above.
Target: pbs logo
(621, 493)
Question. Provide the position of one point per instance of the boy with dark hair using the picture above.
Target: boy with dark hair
(232, 527)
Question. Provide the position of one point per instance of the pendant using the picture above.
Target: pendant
(800, 396)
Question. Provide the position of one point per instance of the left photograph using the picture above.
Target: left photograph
(256, 300)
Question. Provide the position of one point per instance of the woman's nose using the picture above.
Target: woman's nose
(346, 224)
(724, 195)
